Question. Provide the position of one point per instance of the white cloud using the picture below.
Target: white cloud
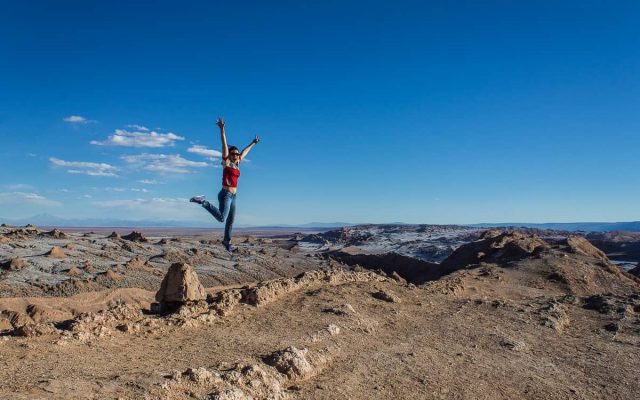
(27, 198)
(76, 119)
(158, 208)
(122, 137)
(87, 196)
(120, 189)
(84, 167)
(19, 186)
(150, 182)
(138, 127)
(164, 162)
(203, 151)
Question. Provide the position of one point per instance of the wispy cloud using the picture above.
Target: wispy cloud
(19, 186)
(121, 189)
(173, 163)
(77, 119)
(159, 208)
(138, 128)
(27, 198)
(204, 151)
(139, 138)
(150, 182)
(84, 167)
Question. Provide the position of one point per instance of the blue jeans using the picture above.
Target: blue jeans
(225, 211)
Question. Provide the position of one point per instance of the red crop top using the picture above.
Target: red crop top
(230, 173)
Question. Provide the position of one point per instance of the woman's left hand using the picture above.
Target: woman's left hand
(256, 140)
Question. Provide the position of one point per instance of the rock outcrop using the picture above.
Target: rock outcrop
(135, 236)
(56, 252)
(15, 264)
(495, 246)
(57, 234)
(115, 235)
(180, 286)
(580, 245)
(635, 271)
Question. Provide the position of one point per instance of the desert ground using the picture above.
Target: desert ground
(409, 312)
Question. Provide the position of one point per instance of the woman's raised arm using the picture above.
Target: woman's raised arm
(223, 138)
(248, 148)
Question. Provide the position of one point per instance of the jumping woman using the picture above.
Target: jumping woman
(226, 210)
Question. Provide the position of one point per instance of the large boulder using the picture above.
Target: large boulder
(180, 286)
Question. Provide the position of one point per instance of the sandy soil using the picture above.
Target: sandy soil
(515, 317)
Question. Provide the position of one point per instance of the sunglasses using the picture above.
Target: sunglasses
(234, 154)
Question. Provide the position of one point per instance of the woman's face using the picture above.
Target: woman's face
(234, 155)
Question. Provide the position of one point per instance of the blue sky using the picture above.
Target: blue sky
(420, 112)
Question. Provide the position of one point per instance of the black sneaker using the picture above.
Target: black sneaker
(197, 199)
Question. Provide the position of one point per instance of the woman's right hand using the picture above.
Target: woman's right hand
(220, 123)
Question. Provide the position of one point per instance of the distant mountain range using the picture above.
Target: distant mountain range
(52, 220)
(633, 226)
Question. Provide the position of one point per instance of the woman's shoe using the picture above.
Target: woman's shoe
(230, 248)
(197, 199)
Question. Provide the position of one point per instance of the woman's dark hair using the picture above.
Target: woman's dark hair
(231, 148)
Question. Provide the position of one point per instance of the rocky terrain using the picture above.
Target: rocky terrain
(503, 315)
(434, 243)
(35, 262)
(618, 245)
(424, 242)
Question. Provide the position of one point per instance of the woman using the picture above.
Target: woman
(226, 210)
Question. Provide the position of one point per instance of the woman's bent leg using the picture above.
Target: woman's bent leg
(221, 212)
(212, 210)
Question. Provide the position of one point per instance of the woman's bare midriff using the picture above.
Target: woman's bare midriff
(230, 189)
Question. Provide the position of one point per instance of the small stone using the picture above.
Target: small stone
(395, 276)
(56, 252)
(229, 394)
(333, 329)
(199, 375)
(386, 296)
(343, 309)
(612, 327)
(291, 362)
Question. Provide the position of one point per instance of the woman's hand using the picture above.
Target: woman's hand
(256, 140)
(220, 123)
